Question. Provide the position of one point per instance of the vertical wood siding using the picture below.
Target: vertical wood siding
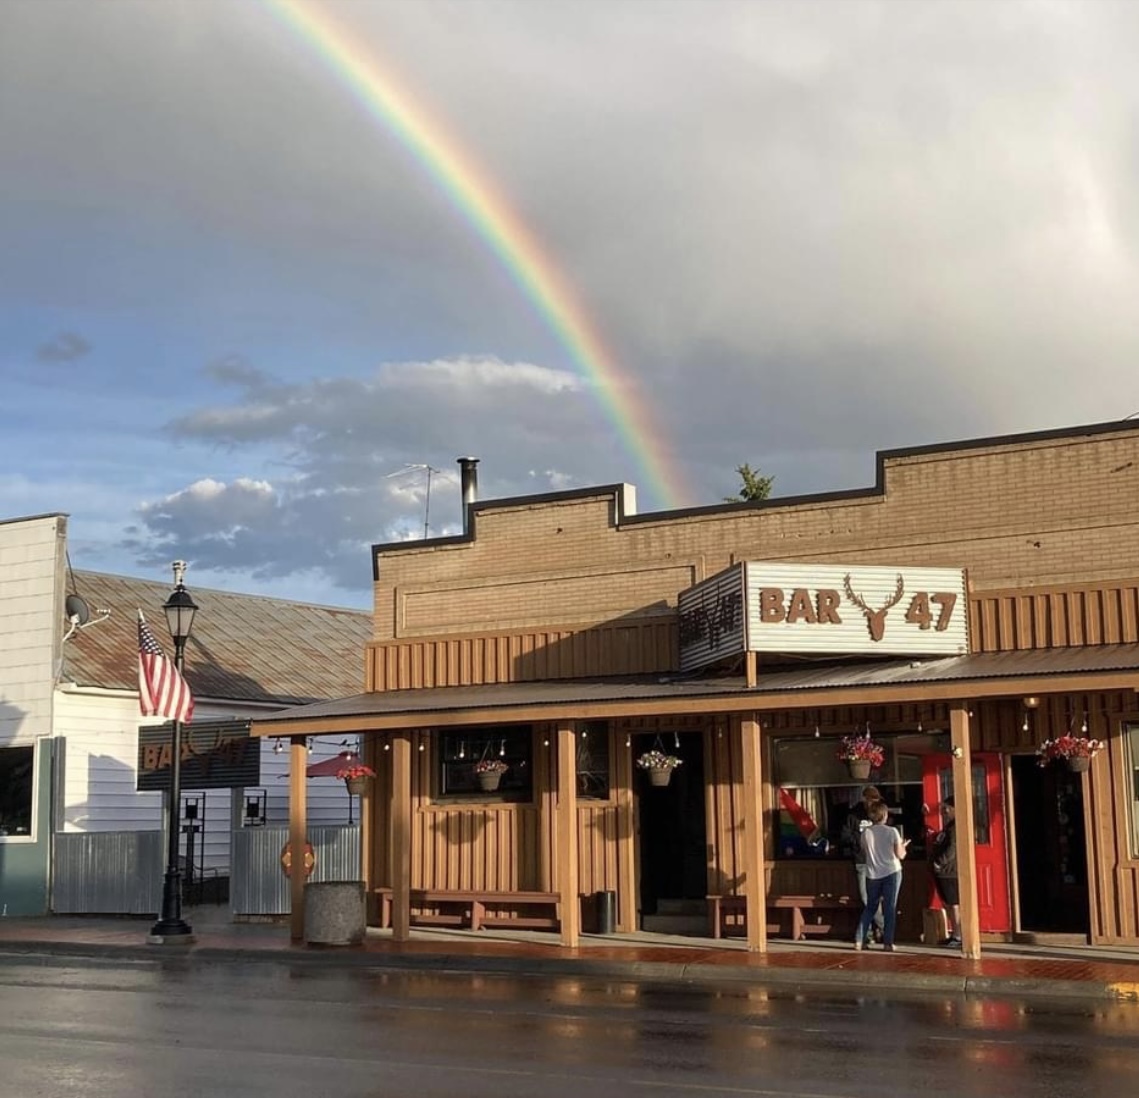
(627, 648)
(1056, 617)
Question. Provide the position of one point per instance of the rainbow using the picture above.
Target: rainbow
(470, 192)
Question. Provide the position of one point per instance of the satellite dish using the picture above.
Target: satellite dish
(77, 610)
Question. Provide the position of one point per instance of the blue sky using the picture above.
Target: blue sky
(237, 320)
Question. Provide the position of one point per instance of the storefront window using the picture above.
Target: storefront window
(463, 753)
(593, 761)
(16, 766)
(817, 794)
(1131, 739)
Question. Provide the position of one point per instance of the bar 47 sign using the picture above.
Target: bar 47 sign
(766, 606)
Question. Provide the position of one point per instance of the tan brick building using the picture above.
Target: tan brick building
(547, 636)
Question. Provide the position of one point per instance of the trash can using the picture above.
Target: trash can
(606, 912)
(334, 912)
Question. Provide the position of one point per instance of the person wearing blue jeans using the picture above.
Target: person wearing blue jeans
(857, 822)
(883, 851)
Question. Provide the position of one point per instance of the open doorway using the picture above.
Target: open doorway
(672, 845)
(1051, 848)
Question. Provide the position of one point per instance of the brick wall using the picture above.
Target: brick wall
(1024, 511)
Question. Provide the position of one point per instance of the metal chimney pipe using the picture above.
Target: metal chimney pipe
(469, 481)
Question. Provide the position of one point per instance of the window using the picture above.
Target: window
(816, 795)
(460, 751)
(16, 767)
(593, 761)
(1131, 739)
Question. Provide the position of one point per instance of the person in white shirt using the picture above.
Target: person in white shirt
(883, 850)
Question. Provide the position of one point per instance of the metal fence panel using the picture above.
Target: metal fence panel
(257, 886)
(108, 873)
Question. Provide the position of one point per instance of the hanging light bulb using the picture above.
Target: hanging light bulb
(309, 742)
(676, 740)
(387, 746)
(1084, 725)
(816, 731)
(421, 745)
(628, 740)
(502, 749)
(462, 749)
(1024, 727)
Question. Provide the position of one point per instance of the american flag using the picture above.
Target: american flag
(162, 692)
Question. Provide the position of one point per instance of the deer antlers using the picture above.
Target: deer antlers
(875, 619)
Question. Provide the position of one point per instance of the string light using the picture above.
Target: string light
(1084, 726)
(277, 747)
(387, 746)
(676, 740)
(309, 742)
(1024, 727)
(816, 731)
(502, 749)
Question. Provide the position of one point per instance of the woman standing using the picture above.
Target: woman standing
(883, 850)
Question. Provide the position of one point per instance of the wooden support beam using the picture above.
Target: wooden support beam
(963, 814)
(400, 857)
(751, 818)
(298, 834)
(566, 818)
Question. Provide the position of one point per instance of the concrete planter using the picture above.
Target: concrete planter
(334, 913)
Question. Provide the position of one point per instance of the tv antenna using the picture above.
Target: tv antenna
(430, 470)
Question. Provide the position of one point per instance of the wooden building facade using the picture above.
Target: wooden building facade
(547, 636)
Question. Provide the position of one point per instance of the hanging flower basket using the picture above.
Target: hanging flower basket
(356, 778)
(488, 773)
(1076, 751)
(861, 755)
(659, 765)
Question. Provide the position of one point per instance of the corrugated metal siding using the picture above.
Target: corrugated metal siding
(108, 873)
(257, 884)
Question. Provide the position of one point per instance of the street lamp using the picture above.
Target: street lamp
(180, 609)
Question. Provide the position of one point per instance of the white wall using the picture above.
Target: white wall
(100, 773)
(31, 620)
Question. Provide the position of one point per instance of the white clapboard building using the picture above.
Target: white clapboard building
(70, 720)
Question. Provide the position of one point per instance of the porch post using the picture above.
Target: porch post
(566, 821)
(963, 814)
(298, 813)
(751, 819)
(400, 858)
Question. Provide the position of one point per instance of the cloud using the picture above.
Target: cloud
(65, 347)
(349, 460)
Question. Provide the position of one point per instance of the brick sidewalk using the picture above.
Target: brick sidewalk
(1105, 974)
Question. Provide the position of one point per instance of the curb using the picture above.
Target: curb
(832, 979)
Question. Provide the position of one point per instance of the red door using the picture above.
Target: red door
(993, 903)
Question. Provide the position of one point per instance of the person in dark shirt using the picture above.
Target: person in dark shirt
(943, 861)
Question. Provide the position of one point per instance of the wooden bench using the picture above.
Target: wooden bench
(476, 908)
(728, 914)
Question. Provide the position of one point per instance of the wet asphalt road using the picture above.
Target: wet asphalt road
(180, 1030)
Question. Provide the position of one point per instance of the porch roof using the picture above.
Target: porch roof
(969, 677)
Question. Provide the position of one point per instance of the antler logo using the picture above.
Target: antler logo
(875, 619)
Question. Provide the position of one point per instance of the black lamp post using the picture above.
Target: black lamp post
(180, 609)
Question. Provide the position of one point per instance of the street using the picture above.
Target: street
(180, 1028)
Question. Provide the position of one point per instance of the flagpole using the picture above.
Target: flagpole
(171, 927)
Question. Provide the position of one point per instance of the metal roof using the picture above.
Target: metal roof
(990, 674)
(243, 647)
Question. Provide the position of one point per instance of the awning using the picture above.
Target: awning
(971, 677)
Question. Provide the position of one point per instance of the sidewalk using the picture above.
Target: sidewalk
(1098, 973)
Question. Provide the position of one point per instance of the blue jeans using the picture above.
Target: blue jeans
(860, 871)
(884, 891)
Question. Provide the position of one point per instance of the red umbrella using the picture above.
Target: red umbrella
(329, 768)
